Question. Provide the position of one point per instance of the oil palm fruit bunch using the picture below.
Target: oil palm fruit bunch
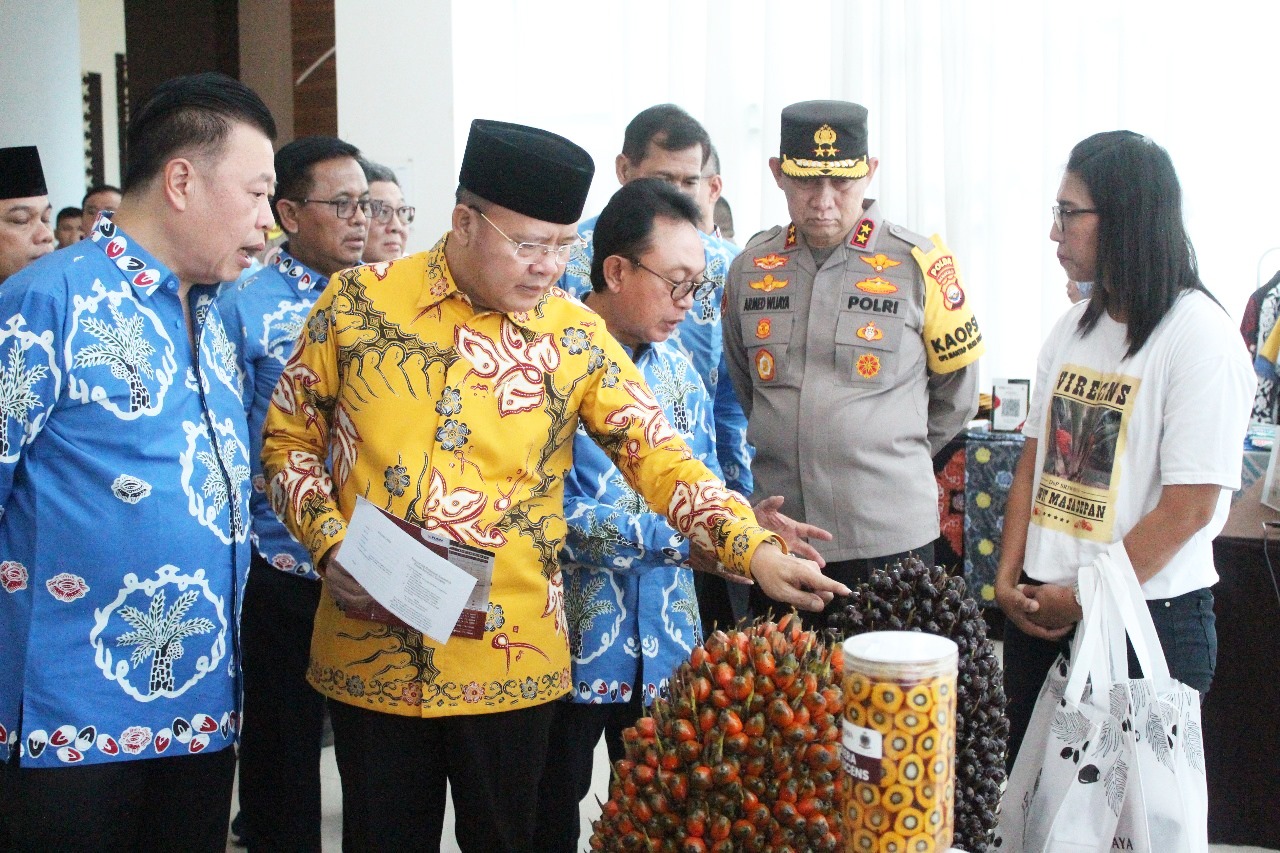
(912, 596)
(743, 755)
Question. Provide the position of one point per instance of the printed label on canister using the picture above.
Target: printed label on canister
(861, 751)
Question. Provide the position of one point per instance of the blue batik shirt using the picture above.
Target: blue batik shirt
(265, 315)
(700, 338)
(124, 493)
(629, 598)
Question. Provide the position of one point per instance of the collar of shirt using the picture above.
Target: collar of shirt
(137, 266)
(299, 275)
(439, 286)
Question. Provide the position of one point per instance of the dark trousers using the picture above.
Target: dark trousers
(283, 714)
(394, 771)
(180, 804)
(1187, 632)
(566, 778)
(848, 572)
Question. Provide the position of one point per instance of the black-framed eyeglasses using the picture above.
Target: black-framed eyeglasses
(1061, 214)
(343, 208)
(382, 212)
(531, 253)
(701, 287)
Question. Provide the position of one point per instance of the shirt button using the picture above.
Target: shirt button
(171, 287)
(1168, 604)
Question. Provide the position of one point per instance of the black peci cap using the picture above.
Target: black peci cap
(21, 175)
(824, 138)
(528, 170)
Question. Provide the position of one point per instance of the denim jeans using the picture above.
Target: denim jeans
(1185, 626)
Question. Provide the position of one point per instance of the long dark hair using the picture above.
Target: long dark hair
(1145, 259)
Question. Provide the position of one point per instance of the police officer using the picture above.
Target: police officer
(853, 349)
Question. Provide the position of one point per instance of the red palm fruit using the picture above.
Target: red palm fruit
(736, 744)
(730, 722)
(724, 773)
(720, 826)
(723, 674)
(645, 726)
(707, 719)
(695, 823)
(693, 845)
(700, 778)
(701, 688)
(780, 714)
(689, 751)
(741, 687)
(682, 730)
(754, 726)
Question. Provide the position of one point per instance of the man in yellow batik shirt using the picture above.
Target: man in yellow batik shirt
(445, 387)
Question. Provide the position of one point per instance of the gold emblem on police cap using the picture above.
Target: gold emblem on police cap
(825, 137)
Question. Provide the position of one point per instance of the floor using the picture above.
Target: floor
(332, 807)
(331, 804)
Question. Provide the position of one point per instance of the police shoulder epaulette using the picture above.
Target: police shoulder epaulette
(909, 236)
(763, 237)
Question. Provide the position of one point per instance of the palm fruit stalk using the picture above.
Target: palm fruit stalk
(742, 756)
(911, 596)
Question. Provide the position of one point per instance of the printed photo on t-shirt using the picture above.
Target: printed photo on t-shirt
(1084, 446)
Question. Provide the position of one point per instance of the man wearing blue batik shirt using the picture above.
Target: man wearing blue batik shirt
(666, 143)
(124, 480)
(322, 205)
(629, 599)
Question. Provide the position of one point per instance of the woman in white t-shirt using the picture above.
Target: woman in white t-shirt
(1136, 427)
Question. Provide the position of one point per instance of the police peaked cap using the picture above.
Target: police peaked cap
(528, 170)
(822, 138)
(21, 175)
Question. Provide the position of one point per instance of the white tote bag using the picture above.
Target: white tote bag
(1109, 762)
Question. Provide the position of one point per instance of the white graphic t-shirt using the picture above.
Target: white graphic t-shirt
(1113, 431)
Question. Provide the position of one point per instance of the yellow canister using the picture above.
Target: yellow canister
(898, 742)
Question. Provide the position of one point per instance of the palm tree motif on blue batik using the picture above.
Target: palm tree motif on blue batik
(158, 635)
(628, 500)
(17, 395)
(282, 328)
(680, 600)
(599, 542)
(578, 270)
(222, 355)
(707, 309)
(222, 484)
(124, 349)
(672, 389)
(582, 605)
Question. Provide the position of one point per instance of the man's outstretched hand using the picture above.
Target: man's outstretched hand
(795, 533)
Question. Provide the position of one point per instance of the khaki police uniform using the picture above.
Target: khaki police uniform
(852, 376)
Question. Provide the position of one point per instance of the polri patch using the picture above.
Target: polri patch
(766, 367)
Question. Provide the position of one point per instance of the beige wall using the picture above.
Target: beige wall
(395, 99)
(101, 38)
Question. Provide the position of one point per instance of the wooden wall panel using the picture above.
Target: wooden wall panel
(315, 100)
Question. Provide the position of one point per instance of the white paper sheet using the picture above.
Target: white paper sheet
(403, 574)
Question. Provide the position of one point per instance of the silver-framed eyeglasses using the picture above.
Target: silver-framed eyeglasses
(1062, 214)
(343, 208)
(531, 253)
(382, 212)
(701, 287)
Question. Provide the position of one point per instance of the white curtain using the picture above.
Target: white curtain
(974, 109)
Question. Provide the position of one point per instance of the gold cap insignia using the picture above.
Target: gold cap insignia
(825, 137)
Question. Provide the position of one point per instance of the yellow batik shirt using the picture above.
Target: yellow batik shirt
(463, 423)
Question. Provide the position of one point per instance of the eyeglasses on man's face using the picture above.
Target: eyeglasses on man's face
(701, 287)
(1062, 215)
(531, 253)
(343, 208)
(381, 211)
